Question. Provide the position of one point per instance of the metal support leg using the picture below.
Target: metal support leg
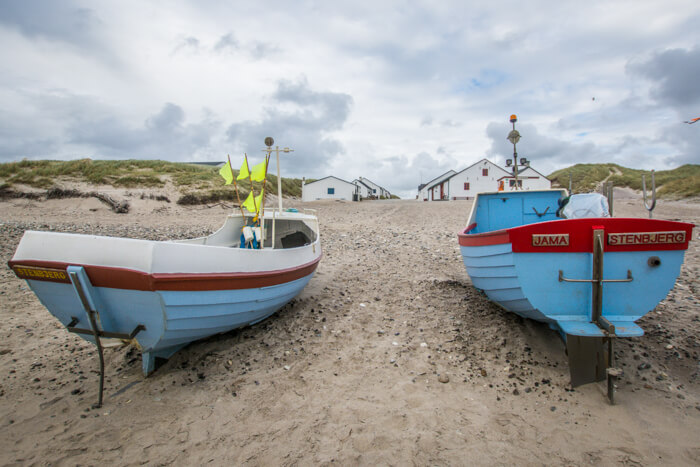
(611, 377)
(81, 285)
(91, 312)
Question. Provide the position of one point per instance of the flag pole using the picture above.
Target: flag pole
(250, 178)
(235, 185)
(262, 201)
(255, 205)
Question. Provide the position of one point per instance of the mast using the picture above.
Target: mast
(269, 142)
(514, 137)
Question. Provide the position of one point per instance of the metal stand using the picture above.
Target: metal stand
(649, 206)
(78, 276)
(586, 353)
(608, 193)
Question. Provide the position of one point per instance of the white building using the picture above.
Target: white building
(375, 190)
(481, 177)
(364, 189)
(437, 188)
(528, 179)
(328, 188)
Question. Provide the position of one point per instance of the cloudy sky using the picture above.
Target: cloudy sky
(395, 91)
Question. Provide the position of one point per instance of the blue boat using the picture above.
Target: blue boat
(589, 278)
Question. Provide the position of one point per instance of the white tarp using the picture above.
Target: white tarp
(586, 205)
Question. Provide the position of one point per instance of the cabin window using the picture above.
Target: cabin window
(485, 172)
(520, 183)
(466, 186)
(331, 191)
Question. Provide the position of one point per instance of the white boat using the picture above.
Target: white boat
(167, 294)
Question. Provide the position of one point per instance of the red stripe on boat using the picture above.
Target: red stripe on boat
(129, 279)
(621, 234)
(495, 237)
(628, 234)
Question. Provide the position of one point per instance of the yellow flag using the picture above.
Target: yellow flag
(248, 203)
(227, 173)
(258, 172)
(252, 204)
(243, 174)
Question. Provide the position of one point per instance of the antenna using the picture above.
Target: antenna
(269, 142)
(514, 137)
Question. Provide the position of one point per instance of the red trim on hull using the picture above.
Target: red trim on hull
(635, 235)
(581, 237)
(495, 237)
(129, 279)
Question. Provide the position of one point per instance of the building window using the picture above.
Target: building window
(374, 191)
(331, 191)
(520, 183)
(485, 172)
(466, 186)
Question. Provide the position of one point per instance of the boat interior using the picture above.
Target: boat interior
(502, 210)
(289, 230)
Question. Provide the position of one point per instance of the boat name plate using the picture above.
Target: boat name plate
(41, 274)
(646, 238)
(550, 240)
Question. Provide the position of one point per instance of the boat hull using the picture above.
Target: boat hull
(172, 319)
(527, 270)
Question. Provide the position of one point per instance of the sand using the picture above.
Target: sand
(389, 356)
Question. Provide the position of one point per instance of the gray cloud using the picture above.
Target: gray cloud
(305, 126)
(401, 174)
(686, 141)
(674, 74)
(226, 42)
(189, 43)
(542, 151)
(65, 125)
(257, 50)
(164, 135)
(52, 20)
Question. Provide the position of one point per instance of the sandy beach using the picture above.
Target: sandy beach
(388, 357)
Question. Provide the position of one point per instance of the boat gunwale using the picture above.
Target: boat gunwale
(131, 279)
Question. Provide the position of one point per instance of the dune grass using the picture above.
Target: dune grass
(202, 180)
(681, 182)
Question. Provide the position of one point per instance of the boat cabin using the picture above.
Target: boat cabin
(286, 230)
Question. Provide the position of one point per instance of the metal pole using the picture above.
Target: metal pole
(279, 178)
(515, 162)
(649, 206)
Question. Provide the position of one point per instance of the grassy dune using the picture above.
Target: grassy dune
(195, 182)
(681, 182)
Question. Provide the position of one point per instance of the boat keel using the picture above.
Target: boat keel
(592, 359)
(587, 359)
